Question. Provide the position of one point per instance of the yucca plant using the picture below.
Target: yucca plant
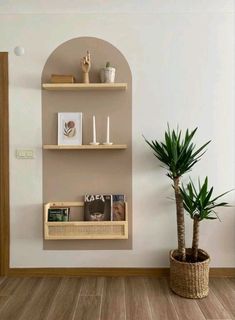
(200, 205)
(178, 155)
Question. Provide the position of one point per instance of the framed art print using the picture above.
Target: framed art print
(70, 128)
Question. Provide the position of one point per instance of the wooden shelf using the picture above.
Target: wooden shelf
(84, 86)
(85, 147)
(83, 229)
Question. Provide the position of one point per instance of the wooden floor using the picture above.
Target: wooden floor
(131, 298)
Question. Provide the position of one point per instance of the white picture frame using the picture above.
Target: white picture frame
(69, 128)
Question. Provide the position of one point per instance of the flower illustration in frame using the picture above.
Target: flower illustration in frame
(69, 128)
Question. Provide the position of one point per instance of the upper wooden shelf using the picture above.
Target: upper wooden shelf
(84, 86)
(85, 147)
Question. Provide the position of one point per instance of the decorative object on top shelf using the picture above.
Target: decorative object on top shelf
(108, 134)
(94, 142)
(62, 78)
(70, 128)
(107, 74)
(86, 66)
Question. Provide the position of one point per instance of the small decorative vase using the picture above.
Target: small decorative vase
(107, 75)
(190, 280)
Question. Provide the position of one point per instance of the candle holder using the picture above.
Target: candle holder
(94, 143)
(107, 143)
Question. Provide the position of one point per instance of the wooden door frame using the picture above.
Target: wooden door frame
(4, 166)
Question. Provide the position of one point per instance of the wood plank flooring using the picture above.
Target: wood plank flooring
(112, 298)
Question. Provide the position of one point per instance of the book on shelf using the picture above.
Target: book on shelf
(118, 207)
(58, 214)
(62, 78)
(102, 207)
(97, 207)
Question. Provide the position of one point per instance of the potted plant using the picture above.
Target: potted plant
(178, 155)
(189, 268)
(190, 278)
(107, 74)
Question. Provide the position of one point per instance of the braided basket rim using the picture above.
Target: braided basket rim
(206, 261)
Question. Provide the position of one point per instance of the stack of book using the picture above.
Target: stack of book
(62, 78)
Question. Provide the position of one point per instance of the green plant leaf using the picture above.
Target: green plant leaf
(221, 195)
(198, 202)
(211, 218)
(177, 152)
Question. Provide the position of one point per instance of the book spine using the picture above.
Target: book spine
(111, 214)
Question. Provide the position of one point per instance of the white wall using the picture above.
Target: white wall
(182, 60)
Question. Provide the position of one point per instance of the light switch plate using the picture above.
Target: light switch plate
(25, 154)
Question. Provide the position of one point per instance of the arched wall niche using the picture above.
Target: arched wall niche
(68, 175)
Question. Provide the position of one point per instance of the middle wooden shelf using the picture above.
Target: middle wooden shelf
(85, 147)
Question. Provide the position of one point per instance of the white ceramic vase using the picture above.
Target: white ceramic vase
(107, 75)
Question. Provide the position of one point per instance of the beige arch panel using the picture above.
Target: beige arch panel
(69, 174)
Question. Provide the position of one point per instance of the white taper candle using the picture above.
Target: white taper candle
(94, 130)
(107, 138)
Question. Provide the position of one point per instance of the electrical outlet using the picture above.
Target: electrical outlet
(25, 154)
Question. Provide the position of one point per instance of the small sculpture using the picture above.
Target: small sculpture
(86, 65)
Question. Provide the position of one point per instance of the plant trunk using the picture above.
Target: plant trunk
(195, 239)
(180, 220)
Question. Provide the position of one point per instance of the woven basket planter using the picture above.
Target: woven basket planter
(190, 280)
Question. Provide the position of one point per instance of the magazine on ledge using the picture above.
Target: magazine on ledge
(97, 207)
